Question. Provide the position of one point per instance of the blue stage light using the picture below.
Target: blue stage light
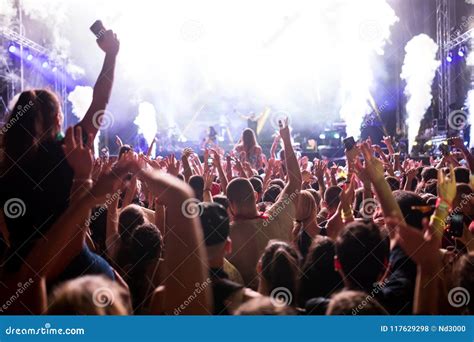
(12, 48)
(45, 64)
(29, 57)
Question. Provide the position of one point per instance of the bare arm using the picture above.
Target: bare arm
(103, 86)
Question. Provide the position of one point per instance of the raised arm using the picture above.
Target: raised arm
(292, 167)
(185, 255)
(103, 86)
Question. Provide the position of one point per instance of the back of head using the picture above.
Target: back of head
(196, 182)
(306, 206)
(362, 250)
(429, 173)
(279, 264)
(331, 196)
(248, 138)
(316, 196)
(431, 187)
(214, 222)
(33, 118)
(354, 303)
(124, 149)
(130, 218)
(278, 182)
(406, 200)
(146, 245)
(89, 295)
(256, 184)
(272, 193)
(222, 200)
(240, 192)
(462, 174)
(393, 182)
(263, 306)
(319, 279)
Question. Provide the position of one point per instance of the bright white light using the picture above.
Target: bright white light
(244, 55)
(146, 121)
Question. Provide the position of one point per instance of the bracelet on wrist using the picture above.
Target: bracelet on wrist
(442, 204)
(437, 219)
(82, 180)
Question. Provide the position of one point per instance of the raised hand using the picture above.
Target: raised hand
(447, 186)
(118, 141)
(109, 43)
(78, 155)
(373, 166)
(172, 165)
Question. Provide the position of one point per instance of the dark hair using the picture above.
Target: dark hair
(406, 200)
(249, 139)
(431, 187)
(222, 200)
(129, 219)
(317, 197)
(32, 119)
(196, 182)
(146, 246)
(462, 175)
(271, 194)
(214, 222)
(280, 267)
(362, 249)
(277, 181)
(393, 182)
(257, 184)
(429, 173)
(318, 277)
(331, 196)
(354, 303)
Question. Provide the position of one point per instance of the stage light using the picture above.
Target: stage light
(461, 53)
(54, 69)
(337, 136)
(29, 57)
(322, 136)
(449, 58)
(12, 48)
(45, 64)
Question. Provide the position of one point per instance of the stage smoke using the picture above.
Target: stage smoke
(81, 98)
(146, 121)
(470, 107)
(418, 71)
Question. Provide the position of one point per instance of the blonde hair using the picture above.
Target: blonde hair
(90, 295)
(305, 209)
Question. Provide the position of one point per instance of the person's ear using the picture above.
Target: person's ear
(60, 119)
(228, 246)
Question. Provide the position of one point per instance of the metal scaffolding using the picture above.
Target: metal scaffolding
(443, 73)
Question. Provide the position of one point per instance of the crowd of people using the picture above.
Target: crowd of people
(236, 233)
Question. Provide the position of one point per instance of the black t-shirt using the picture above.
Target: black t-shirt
(222, 288)
(41, 188)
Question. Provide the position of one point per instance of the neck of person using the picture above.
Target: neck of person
(246, 212)
(217, 262)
